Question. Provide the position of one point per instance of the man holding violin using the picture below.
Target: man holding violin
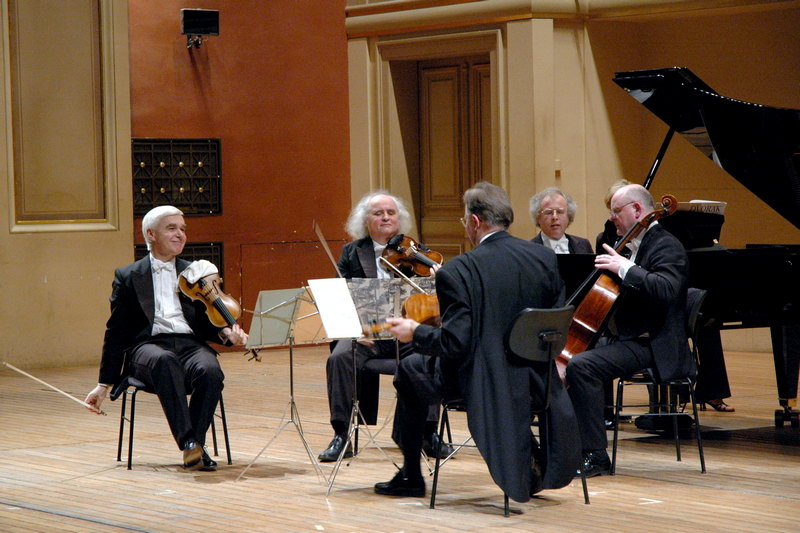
(373, 222)
(158, 336)
(480, 293)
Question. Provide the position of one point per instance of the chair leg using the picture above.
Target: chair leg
(505, 505)
(617, 409)
(121, 425)
(583, 481)
(225, 429)
(673, 411)
(697, 428)
(130, 427)
(444, 420)
(214, 436)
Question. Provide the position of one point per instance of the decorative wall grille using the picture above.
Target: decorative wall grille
(186, 173)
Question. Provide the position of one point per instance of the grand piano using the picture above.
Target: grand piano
(759, 146)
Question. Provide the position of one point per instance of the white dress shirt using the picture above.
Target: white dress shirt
(168, 316)
(382, 272)
(559, 246)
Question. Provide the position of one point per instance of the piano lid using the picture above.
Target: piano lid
(758, 145)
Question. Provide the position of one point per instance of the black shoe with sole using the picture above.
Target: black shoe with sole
(192, 455)
(596, 463)
(334, 449)
(209, 464)
(401, 486)
(431, 442)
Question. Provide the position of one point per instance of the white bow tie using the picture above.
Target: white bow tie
(161, 265)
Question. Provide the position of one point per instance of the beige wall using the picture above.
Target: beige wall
(56, 274)
(560, 120)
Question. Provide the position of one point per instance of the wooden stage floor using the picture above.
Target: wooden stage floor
(58, 468)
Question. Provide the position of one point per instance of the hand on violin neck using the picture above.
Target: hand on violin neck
(402, 328)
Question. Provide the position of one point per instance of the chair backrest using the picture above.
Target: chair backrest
(539, 335)
(694, 304)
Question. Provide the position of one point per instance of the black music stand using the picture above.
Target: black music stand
(275, 323)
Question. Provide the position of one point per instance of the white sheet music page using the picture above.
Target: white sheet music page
(336, 307)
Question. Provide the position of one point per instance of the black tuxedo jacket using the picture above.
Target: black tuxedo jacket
(575, 245)
(480, 293)
(132, 313)
(358, 259)
(652, 301)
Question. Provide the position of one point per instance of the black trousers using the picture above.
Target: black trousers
(339, 370)
(712, 376)
(587, 375)
(175, 366)
(419, 385)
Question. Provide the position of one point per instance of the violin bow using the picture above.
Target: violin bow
(324, 244)
(68, 395)
(403, 276)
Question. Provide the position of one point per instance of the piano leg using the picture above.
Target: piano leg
(786, 351)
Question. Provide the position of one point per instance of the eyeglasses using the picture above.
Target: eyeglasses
(463, 221)
(617, 210)
(551, 212)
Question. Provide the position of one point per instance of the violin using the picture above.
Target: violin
(403, 255)
(221, 308)
(411, 257)
(593, 312)
(420, 307)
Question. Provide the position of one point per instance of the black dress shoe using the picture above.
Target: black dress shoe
(401, 486)
(431, 442)
(334, 449)
(596, 463)
(209, 464)
(192, 455)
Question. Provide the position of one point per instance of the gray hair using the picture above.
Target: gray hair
(154, 216)
(538, 198)
(490, 203)
(356, 225)
(637, 193)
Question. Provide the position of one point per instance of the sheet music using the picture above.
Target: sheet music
(336, 307)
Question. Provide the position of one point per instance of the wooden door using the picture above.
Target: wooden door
(455, 145)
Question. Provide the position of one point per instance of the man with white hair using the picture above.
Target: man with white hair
(375, 219)
(158, 336)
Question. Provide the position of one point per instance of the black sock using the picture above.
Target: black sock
(340, 428)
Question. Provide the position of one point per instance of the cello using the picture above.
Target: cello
(602, 289)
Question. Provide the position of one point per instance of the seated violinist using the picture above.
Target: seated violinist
(376, 218)
(162, 335)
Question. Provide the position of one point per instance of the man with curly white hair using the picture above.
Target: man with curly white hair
(375, 219)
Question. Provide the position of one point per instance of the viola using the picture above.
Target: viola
(411, 257)
(593, 312)
(222, 309)
(420, 307)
